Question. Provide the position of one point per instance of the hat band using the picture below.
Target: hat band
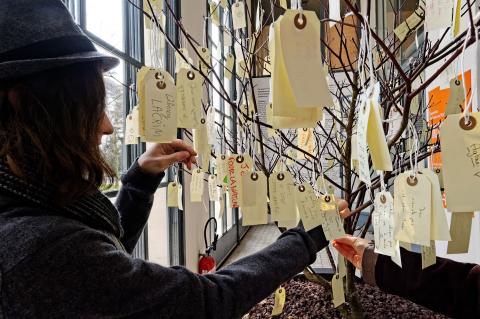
(51, 48)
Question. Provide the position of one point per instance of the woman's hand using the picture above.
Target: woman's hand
(162, 155)
(343, 209)
(351, 248)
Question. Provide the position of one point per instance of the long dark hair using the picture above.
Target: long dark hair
(51, 131)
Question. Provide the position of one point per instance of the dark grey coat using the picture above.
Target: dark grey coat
(56, 267)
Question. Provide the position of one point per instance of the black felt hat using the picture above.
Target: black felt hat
(38, 35)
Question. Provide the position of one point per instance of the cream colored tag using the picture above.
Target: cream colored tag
(279, 301)
(157, 6)
(362, 126)
(258, 214)
(130, 136)
(383, 220)
(238, 15)
(354, 153)
(215, 13)
(160, 107)
(460, 228)
(438, 14)
(172, 194)
(401, 31)
(242, 68)
(456, 97)
(429, 255)
(461, 162)
(331, 222)
(204, 55)
(438, 172)
(200, 143)
(224, 4)
(249, 193)
(222, 170)
(141, 99)
(338, 291)
(377, 142)
(285, 112)
(227, 38)
(308, 206)
(282, 199)
(412, 205)
(238, 165)
(196, 186)
(180, 62)
(211, 128)
(303, 59)
(213, 190)
(283, 4)
(189, 98)
(439, 228)
(341, 266)
(306, 142)
(229, 63)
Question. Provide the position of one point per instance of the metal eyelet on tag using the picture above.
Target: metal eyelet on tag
(204, 50)
(280, 176)
(199, 171)
(457, 82)
(437, 170)
(202, 121)
(412, 181)
(327, 199)
(301, 188)
(223, 157)
(161, 85)
(305, 129)
(174, 184)
(190, 75)
(240, 159)
(383, 199)
(470, 125)
(159, 76)
(254, 176)
(300, 21)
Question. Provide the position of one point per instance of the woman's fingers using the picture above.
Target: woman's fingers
(345, 250)
(346, 240)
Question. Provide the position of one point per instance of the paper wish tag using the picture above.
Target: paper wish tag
(308, 206)
(332, 223)
(438, 14)
(396, 121)
(286, 114)
(172, 194)
(213, 188)
(439, 226)
(229, 63)
(238, 15)
(412, 205)
(456, 97)
(249, 189)
(429, 255)
(460, 154)
(215, 13)
(338, 291)
(182, 62)
(306, 142)
(131, 130)
(237, 166)
(383, 220)
(200, 143)
(300, 44)
(377, 143)
(160, 107)
(354, 156)
(279, 301)
(204, 59)
(257, 214)
(211, 128)
(282, 198)
(141, 99)
(222, 170)
(196, 186)
(362, 151)
(189, 98)
(460, 229)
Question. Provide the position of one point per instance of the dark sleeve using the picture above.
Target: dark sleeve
(90, 277)
(448, 287)
(134, 202)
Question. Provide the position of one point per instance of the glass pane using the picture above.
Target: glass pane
(158, 243)
(105, 19)
(112, 145)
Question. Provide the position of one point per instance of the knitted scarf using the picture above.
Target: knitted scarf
(95, 209)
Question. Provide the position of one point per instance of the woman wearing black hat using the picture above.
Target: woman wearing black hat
(64, 248)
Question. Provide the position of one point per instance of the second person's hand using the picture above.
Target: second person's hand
(351, 248)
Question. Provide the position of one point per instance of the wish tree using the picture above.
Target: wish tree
(323, 107)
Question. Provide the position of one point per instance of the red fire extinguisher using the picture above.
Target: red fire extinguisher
(207, 263)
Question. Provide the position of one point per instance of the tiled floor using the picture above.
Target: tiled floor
(259, 237)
